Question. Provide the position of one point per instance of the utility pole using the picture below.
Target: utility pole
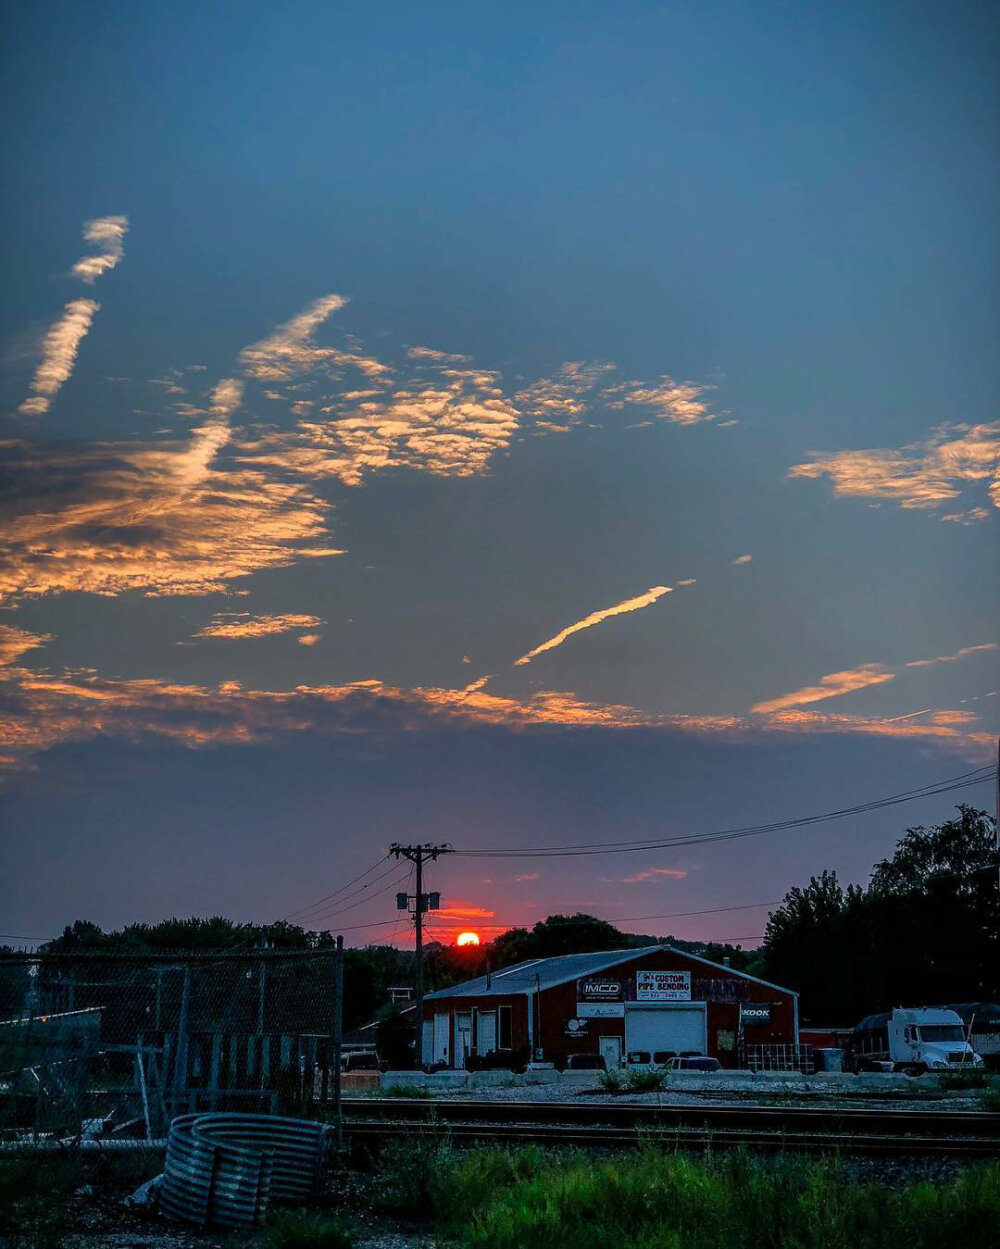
(418, 856)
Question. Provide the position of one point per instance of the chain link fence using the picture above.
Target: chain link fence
(101, 1050)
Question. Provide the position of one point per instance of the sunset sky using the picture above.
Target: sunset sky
(507, 425)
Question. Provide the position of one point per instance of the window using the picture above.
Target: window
(942, 1032)
(503, 1028)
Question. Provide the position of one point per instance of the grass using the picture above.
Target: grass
(411, 1091)
(959, 1081)
(530, 1199)
(37, 1205)
(989, 1098)
(302, 1229)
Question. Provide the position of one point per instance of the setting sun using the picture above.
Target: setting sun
(467, 938)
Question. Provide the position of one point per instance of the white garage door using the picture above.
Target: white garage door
(663, 1027)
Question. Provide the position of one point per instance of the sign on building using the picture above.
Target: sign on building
(752, 1013)
(600, 990)
(600, 1010)
(663, 986)
(576, 1027)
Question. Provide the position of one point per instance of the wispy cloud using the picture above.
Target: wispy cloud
(654, 873)
(444, 419)
(244, 625)
(108, 233)
(683, 403)
(922, 475)
(59, 351)
(963, 653)
(831, 686)
(559, 402)
(208, 439)
(526, 877)
(106, 518)
(16, 642)
(290, 350)
(595, 618)
(742, 559)
(42, 710)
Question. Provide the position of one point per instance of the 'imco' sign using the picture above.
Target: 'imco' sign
(600, 990)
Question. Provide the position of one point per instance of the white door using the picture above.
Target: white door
(611, 1051)
(487, 1041)
(442, 1029)
(666, 1028)
(463, 1038)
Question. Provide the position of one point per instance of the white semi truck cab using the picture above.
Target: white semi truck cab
(918, 1039)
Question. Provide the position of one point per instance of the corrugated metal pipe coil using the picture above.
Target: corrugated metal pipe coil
(224, 1170)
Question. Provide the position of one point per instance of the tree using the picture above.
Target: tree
(925, 930)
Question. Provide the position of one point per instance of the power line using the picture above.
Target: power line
(977, 776)
(715, 910)
(339, 910)
(313, 905)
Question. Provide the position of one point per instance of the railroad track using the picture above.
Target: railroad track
(785, 1129)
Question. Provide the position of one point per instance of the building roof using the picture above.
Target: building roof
(546, 973)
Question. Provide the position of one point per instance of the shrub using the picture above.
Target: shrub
(411, 1091)
(412, 1173)
(612, 1081)
(300, 1229)
(646, 1080)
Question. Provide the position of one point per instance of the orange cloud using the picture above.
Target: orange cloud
(44, 709)
(445, 420)
(59, 350)
(244, 625)
(15, 642)
(679, 402)
(595, 618)
(742, 559)
(109, 517)
(528, 876)
(922, 475)
(964, 653)
(109, 234)
(463, 911)
(831, 686)
(559, 402)
(289, 350)
(653, 873)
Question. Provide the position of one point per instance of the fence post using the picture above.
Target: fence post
(338, 1039)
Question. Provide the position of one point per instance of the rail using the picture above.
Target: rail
(854, 1131)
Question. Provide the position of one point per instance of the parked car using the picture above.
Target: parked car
(586, 1062)
(646, 1058)
(363, 1061)
(694, 1062)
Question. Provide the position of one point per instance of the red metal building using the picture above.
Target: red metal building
(656, 1001)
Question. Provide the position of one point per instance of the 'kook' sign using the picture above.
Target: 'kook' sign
(663, 986)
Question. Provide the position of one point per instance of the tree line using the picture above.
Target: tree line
(924, 930)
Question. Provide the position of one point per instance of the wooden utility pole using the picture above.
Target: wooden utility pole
(418, 856)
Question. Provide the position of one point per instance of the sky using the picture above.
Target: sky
(510, 427)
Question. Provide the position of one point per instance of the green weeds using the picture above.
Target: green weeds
(301, 1229)
(529, 1199)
